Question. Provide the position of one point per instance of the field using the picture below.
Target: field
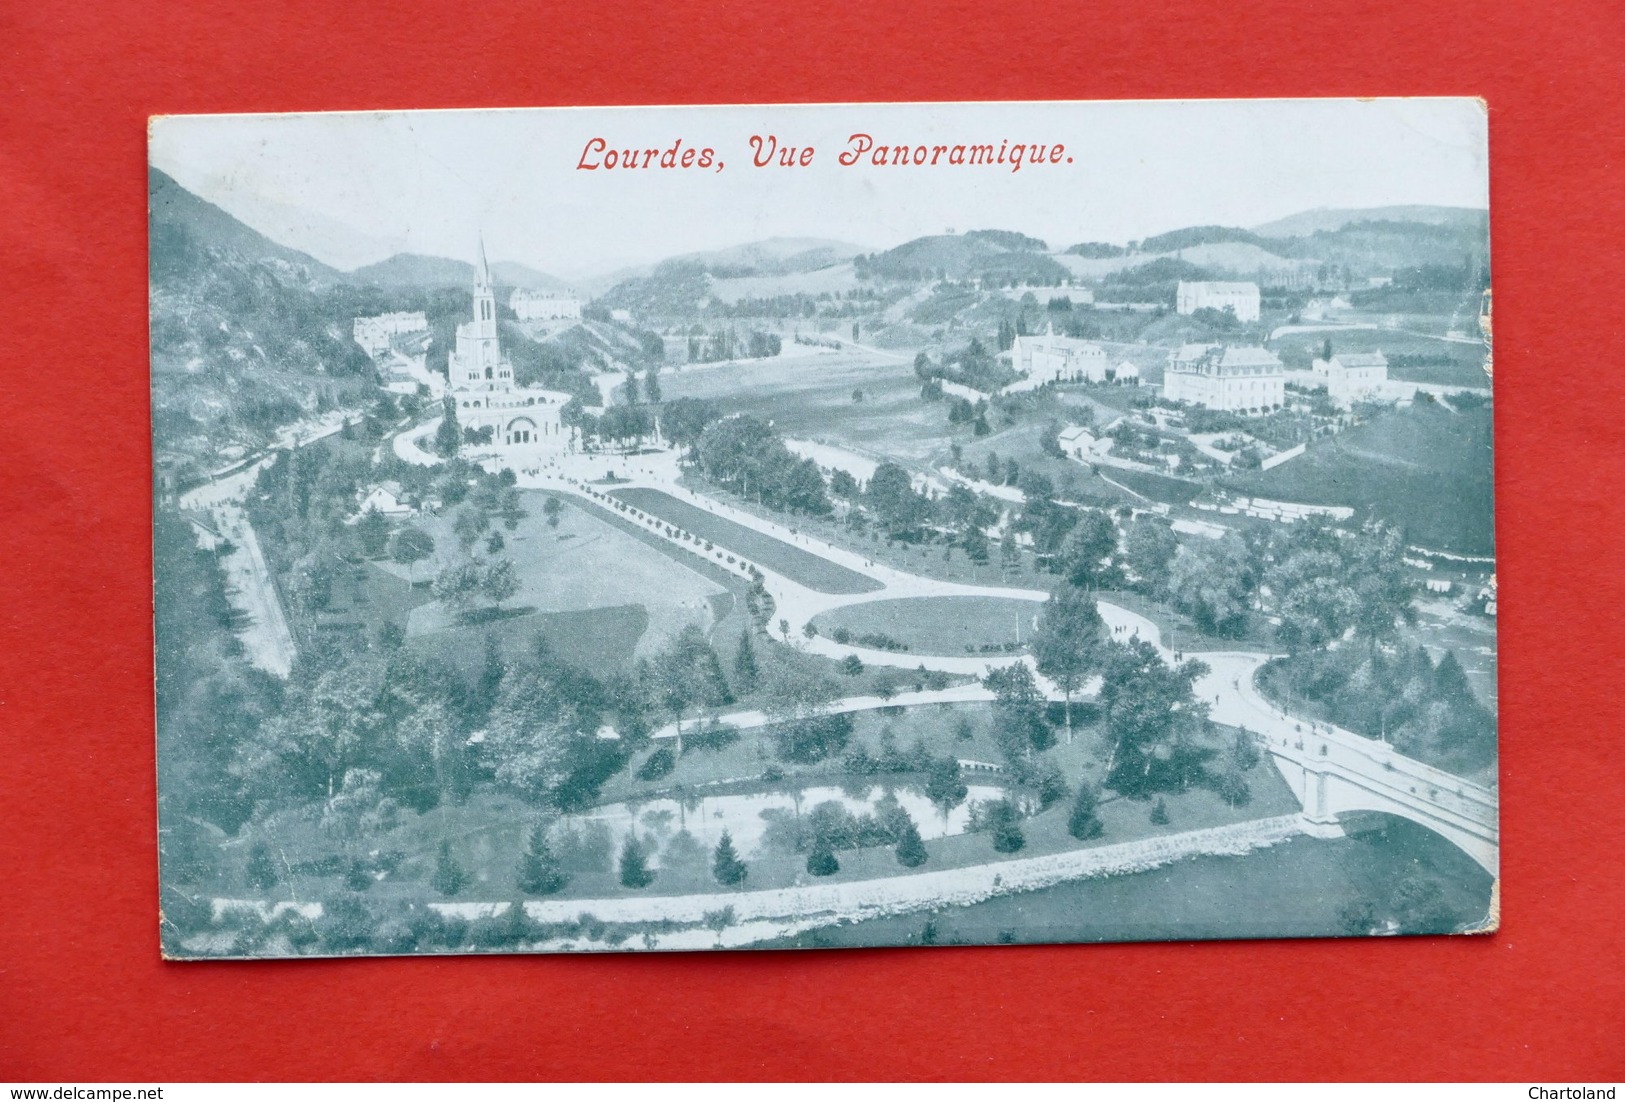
(799, 566)
(812, 397)
(1425, 468)
(1458, 364)
(936, 625)
(635, 592)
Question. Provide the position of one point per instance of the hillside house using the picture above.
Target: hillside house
(1240, 380)
(1242, 299)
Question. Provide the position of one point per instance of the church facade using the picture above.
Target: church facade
(489, 403)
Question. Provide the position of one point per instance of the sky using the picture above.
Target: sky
(352, 188)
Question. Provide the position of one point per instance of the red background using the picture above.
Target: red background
(83, 994)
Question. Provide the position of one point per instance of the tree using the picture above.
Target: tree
(448, 437)
(373, 532)
(943, 783)
(687, 671)
(745, 668)
(1085, 554)
(1084, 822)
(499, 581)
(539, 869)
(821, 861)
(1159, 812)
(910, 849)
(851, 665)
(890, 496)
(1151, 718)
(458, 585)
(449, 877)
(726, 866)
(261, 872)
(1213, 580)
(551, 509)
(532, 733)
(411, 546)
(1003, 821)
(1018, 724)
(1070, 642)
(651, 384)
(1149, 547)
(634, 864)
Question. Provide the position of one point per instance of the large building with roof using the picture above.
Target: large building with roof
(1047, 358)
(1354, 377)
(1241, 298)
(490, 405)
(529, 305)
(1241, 380)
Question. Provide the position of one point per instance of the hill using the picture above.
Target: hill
(986, 255)
(417, 270)
(773, 256)
(1326, 219)
(246, 334)
(177, 219)
(1425, 468)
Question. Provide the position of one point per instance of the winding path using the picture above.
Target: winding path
(1333, 771)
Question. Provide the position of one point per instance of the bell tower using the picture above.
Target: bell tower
(486, 355)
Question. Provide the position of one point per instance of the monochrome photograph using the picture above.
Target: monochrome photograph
(681, 528)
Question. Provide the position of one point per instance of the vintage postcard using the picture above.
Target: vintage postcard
(802, 526)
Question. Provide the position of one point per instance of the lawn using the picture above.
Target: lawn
(1425, 468)
(936, 625)
(487, 830)
(597, 589)
(799, 566)
(1446, 363)
(812, 397)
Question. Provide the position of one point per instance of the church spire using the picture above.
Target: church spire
(482, 273)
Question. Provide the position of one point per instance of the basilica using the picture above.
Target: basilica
(491, 407)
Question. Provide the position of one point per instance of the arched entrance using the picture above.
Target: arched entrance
(521, 430)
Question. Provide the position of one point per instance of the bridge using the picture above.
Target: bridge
(1335, 772)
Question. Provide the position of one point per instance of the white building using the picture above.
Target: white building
(1126, 372)
(374, 334)
(1242, 298)
(544, 305)
(1352, 377)
(516, 418)
(1079, 443)
(1047, 358)
(1219, 377)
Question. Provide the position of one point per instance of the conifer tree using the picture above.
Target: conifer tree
(745, 668)
(910, 847)
(449, 877)
(635, 864)
(449, 436)
(539, 869)
(726, 866)
(1084, 821)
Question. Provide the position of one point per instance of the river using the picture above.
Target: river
(1295, 889)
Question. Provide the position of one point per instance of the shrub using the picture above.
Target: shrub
(658, 764)
(1159, 812)
(822, 862)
